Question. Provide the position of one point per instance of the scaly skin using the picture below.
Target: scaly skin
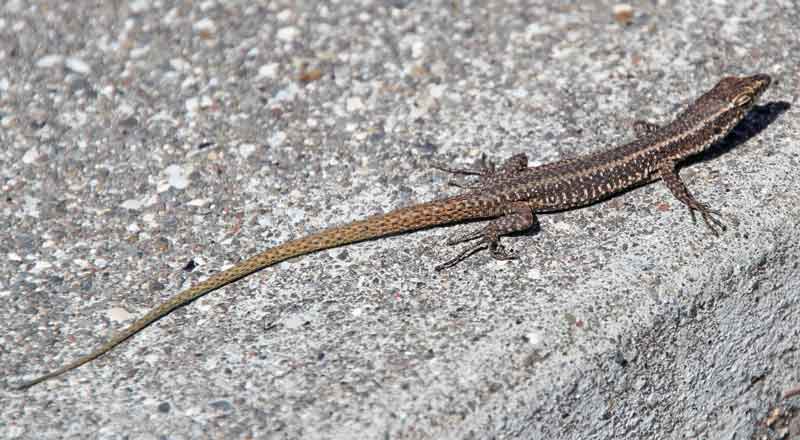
(512, 194)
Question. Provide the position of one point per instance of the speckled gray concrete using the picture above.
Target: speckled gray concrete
(140, 136)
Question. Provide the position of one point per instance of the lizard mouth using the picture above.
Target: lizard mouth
(761, 81)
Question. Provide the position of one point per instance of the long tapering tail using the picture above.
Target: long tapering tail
(401, 220)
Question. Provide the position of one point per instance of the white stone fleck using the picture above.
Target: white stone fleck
(277, 139)
(171, 16)
(178, 176)
(296, 215)
(125, 110)
(180, 64)
(14, 6)
(139, 52)
(48, 61)
(74, 119)
(132, 204)
(100, 263)
(139, 6)
(205, 25)
(206, 102)
(354, 104)
(455, 97)
(622, 8)
(77, 65)
(133, 228)
(269, 70)
(247, 149)
(150, 219)
(287, 94)
(535, 29)
(107, 91)
(288, 34)
(297, 320)
(425, 104)
(11, 256)
(192, 105)
(31, 156)
(189, 82)
(265, 221)
(535, 338)
(519, 92)
(418, 49)
(534, 273)
(40, 266)
(119, 314)
(198, 202)
(437, 90)
(285, 15)
(208, 5)
(296, 194)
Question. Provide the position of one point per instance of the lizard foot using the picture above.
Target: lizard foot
(709, 218)
(520, 217)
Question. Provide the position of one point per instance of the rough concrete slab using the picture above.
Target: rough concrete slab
(148, 144)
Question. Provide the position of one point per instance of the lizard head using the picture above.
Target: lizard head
(717, 111)
(741, 92)
(726, 103)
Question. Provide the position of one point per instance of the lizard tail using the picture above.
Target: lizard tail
(401, 220)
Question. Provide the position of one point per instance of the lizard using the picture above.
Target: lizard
(511, 195)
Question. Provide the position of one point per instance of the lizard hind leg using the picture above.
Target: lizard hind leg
(520, 217)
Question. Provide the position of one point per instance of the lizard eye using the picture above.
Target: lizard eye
(742, 100)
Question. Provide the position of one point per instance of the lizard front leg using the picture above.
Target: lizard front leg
(519, 217)
(487, 173)
(668, 172)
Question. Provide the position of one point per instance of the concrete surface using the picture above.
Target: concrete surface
(148, 144)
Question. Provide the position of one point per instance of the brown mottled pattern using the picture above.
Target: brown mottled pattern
(512, 194)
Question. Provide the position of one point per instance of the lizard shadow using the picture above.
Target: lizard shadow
(757, 120)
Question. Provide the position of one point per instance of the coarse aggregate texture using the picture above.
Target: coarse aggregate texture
(146, 144)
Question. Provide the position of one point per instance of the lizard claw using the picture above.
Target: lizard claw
(708, 214)
(498, 252)
(461, 256)
(519, 218)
